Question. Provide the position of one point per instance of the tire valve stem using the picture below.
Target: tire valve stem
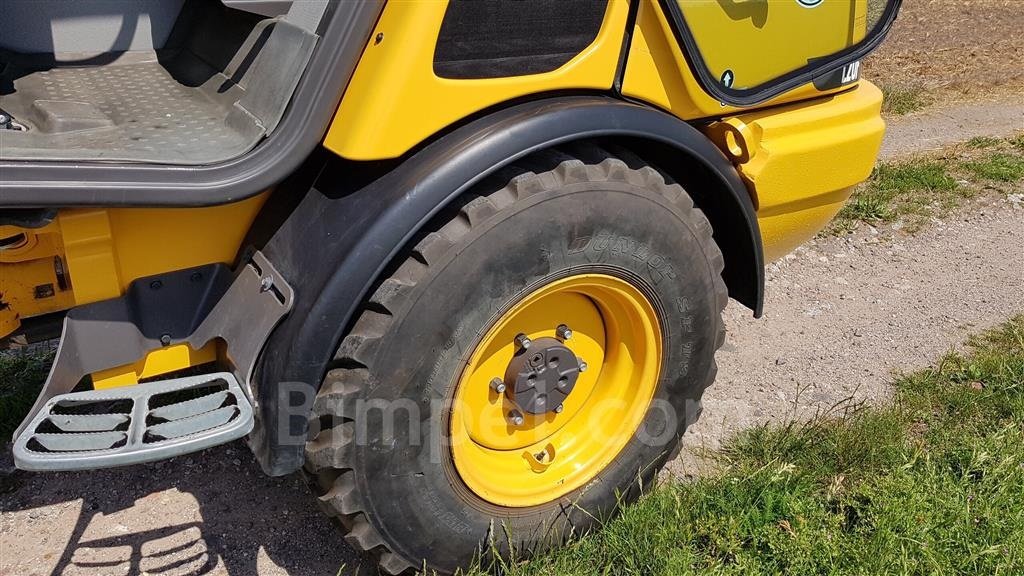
(563, 332)
(498, 385)
(522, 341)
(515, 417)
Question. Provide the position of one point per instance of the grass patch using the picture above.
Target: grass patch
(898, 190)
(982, 142)
(913, 191)
(900, 100)
(930, 484)
(22, 374)
(1000, 167)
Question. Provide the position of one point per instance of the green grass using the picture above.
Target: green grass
(21, 376)
(929, 484)
(913, 191)
(982, 142)
(896, 190)
(1000, 167)
(899, 100)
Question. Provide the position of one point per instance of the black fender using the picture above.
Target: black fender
(343, 233)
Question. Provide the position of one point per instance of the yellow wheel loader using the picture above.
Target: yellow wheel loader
(462, 263)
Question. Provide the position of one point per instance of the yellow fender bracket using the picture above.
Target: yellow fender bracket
(395, 101)
(91, 254)
(157, 362)
(800, 162)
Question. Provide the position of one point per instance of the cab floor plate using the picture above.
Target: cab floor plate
(134, 424)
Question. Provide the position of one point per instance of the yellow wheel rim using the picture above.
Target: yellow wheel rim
(615, 331)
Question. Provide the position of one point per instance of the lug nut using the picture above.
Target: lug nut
(498, 385)
(563, 332)
(583, 366)
(523, 341)
(515, 417)
(559, 408)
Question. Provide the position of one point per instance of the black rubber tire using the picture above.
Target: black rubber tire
(396, 493)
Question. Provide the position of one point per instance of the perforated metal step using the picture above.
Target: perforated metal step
(133, 424)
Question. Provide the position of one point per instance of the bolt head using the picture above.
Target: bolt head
(559, 408)
(266, 283)
(498, 385)
(523, 341)
(563, 332)
(516, 418)
(583, 366)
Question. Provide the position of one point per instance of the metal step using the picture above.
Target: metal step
(134, 424)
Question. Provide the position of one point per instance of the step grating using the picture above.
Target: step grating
(134, 424)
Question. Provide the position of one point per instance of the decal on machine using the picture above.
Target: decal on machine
(728, 78)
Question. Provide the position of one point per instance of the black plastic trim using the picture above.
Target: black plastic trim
(34, 329)
(65, 184)
(627, 41)
(341, 237)
(768, 90)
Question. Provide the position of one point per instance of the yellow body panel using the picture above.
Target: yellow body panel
(103, 250)
(109, 248)
(760, 40)
(29, 283)
(800, 162)
(395, 101)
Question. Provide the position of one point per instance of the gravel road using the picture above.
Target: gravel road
(841, 315)
(844, 314)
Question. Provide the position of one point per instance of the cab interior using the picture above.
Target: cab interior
(186, 82)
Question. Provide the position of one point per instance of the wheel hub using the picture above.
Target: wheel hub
(541, 376)
(523, 436)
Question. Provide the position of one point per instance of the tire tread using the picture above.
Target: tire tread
(328, 465)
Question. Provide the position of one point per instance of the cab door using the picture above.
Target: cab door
(746, 51)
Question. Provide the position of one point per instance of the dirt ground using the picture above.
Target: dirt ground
(953, 50)
(841, 315)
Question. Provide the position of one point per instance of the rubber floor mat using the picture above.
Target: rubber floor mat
(134, 111)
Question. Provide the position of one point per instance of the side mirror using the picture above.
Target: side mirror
(746, 51)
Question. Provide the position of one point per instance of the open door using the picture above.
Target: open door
(746, 51)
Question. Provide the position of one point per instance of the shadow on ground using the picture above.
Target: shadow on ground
(214, 512)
